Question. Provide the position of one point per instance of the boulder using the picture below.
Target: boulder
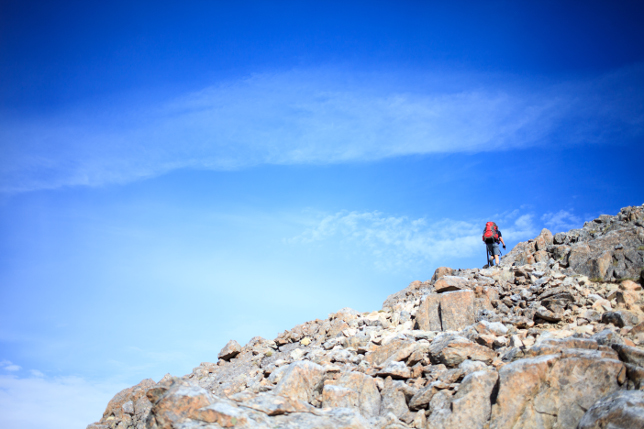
(365, 397)
(396, 370)
(230, 350)
(450, 283)
(176, 402)
(428, 314)
(394, 400)
(274, 405)
(321, 419)
(632, 355)
(457, 310)
(470, 407)
(552, 390)
(300, 380)
(620, 318)
(440, 272)
(396, 350)
(619, 410)
(452, 350)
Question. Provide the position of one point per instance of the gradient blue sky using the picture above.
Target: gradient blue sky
(178, 174)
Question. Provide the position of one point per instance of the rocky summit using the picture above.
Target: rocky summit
(552, 338)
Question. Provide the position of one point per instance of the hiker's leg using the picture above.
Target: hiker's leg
(496, 252)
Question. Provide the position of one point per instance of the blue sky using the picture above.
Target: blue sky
(177, 175)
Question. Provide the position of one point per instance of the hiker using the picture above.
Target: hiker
(491, 237)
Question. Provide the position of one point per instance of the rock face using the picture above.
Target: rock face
(609, 248)
(553, 338)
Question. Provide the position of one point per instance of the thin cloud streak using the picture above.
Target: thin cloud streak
(399, 242)
(563, 220)
(310, 117)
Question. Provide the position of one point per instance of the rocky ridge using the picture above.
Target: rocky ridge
(552, 338)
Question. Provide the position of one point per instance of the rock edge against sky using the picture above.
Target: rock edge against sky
(553, 337)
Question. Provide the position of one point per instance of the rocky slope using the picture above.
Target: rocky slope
(553, 338)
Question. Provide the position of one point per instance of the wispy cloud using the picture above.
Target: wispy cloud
(311, 117)
(399, 241)
(57, 403)
(8, 366)
(563, 220)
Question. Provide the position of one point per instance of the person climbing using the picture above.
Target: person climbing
(491, 237)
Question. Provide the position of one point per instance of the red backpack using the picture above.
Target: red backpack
(491, 233)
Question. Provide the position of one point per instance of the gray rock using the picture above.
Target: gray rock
(230, 350)
(394, 400)
(620, 318)
(629, 354)
(620, 410)
(551, 390)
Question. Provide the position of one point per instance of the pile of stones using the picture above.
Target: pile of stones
(552, 338)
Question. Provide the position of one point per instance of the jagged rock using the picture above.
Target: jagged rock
(549, 316)
(175, 402)
(493, 328)
(450, 283)
(567, 341)
(620, 410)
(365, 397)
(395, 350)
(440, 272)
(134, 395)
(629, 354)
(470, 407)
(457, 310)
(394, 400)
(552, 391)
(620, 318)
(397, 370)
(333, 418)
(230, 350)
(452, 350)
(222, 413)
(300, 380)
(448, 311)
(428, 314)
(274, 405)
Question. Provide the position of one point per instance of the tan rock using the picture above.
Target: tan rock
(322, 419)
(393, 399)
(133, 394)
(455, 353)
(630, 285)
(230, 350)
(440, 272)
(366, 397)
(395, 349)
(470, 407)
(338, 396)
(396, 370)
(273, 405)
(336, 327)
(457, 310)
(300, 380)
(450, 283)
(424, 395)
(541, 256)
(623, 409)
(222, 413)
(552, 391)
(428, 314)
(177, 402)
(543, 240)
(451, 350)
